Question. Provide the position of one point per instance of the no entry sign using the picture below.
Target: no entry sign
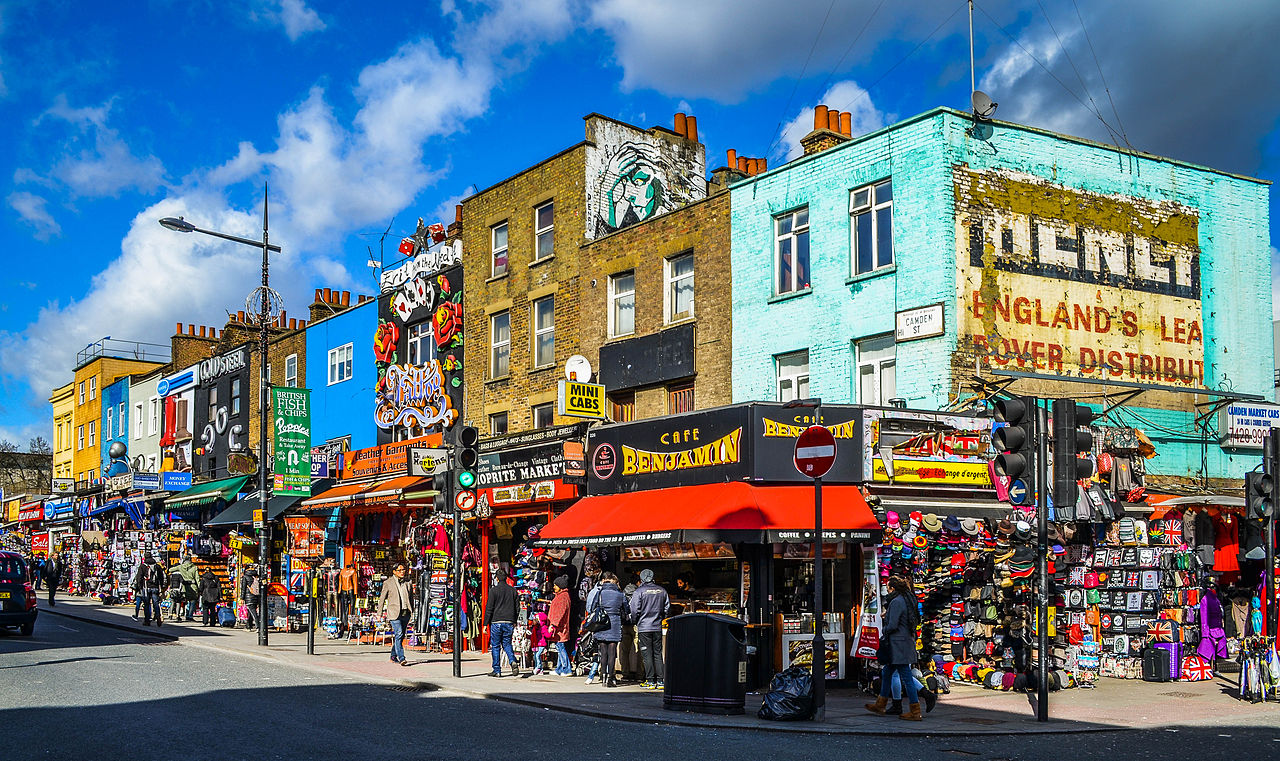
(815, 451)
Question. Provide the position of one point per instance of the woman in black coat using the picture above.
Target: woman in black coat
(613, 602)
(210, 594)
(900, 632)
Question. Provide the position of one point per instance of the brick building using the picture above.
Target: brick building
(527, 275)
(1003, 247)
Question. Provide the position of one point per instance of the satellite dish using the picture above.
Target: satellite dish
(983, 105)
(578, 368)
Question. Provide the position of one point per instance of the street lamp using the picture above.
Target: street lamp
(265, 300)
(819, 624)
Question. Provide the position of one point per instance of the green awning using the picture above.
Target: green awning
(208, 493)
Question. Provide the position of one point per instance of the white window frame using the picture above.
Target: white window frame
(111, 419)
(539, 231)
(494, 249)
(506, 423)
(866, 200)
(549, 409)
(93, 388)
(340, 368)
(877, 354)
(81, 392)
(93, 433)
(792, 235)
(789, 381)
(153, 419)
(671, 284)
(291, 376)
(539, 333)
(419, 343)
(213, 403)
(235, 396)
(495, 345)
(615, 297)
(137, 423)
(79, 438)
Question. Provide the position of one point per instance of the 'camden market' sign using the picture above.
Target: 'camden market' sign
(292, 471)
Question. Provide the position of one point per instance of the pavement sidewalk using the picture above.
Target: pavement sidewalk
(1113, 705)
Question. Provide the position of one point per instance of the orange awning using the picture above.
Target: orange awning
(338, 494)
(366, 493)
(728, 512)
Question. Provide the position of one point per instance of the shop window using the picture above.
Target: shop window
(871, 227)
(680, 398)
(877, 375)
(421, 344)
(793, 375)
(499, 345)
(791, 251)
(544, 332)
(544, 416)
(291, 371)
(679, 290)
(622, 407)
(497, 423)
(544, 221)
(339, 364)
(622, 304)
(498, 244)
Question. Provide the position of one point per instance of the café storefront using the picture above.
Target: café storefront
(712, 503)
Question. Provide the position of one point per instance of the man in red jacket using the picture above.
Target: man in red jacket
(560, 625)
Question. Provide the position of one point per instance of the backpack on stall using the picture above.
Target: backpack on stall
(226, 617)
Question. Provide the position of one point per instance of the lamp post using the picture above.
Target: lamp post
(819, 645)
(264, 307)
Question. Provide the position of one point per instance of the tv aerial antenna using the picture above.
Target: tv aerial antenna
(377, 264)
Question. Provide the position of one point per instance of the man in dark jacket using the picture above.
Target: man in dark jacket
(151, 580)
(650, 604)
(210, 594)
(500, 617)
(53, 575)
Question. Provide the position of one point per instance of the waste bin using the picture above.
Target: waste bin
(706, 664)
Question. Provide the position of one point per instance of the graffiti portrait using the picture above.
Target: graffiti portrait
(635, 179)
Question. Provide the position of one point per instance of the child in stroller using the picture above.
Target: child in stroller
(585, 655)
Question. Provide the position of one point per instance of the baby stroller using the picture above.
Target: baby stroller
(585, 654)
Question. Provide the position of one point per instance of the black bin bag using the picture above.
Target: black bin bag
(790, 696)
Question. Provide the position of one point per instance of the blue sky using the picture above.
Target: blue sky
(366, 115)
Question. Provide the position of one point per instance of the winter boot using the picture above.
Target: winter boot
(930, 699)
(895, 708)
(879, 706)
(913, 714)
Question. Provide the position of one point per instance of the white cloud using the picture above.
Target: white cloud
(98, 163)
(842, 96)
(292, 15)
(32, 209)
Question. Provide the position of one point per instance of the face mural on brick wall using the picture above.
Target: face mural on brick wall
(417, 346)
(636, 178)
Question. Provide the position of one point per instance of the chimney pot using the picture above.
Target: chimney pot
(731, 158)
(457, 213)
(820, 117)
(203, 331)
(240, 317)
(302, 323)
(764, 165)
(846, 123)
(691, 128)
(346, 298)
(682, 125)
(191, 329)
(328, 294)
(833, 119)
(742, 164)
(317, 298)
(177, 331)
(293, 324)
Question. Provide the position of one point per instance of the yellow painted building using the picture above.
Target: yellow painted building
(63, 442)
(86, 399)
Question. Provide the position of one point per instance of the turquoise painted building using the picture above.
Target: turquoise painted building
(896, 266)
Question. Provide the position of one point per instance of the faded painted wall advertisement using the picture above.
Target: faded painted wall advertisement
(926, 448)
(633, 175)
(1061, 281)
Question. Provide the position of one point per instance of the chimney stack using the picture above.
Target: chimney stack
(830, 128)
(682, 125)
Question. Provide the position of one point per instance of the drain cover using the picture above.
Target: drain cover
(415, 688)
(1180, 694)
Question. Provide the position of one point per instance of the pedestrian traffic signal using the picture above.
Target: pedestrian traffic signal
(468, 456)
(1016, 440)
(1069, 444)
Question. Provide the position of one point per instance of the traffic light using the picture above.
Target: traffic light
(1016, 441)
(468, 456)
(1069, 442)
(1259, 487)
(440, 484)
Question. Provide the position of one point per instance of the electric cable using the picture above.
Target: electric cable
(778, 129)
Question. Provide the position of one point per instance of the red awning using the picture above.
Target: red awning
(728, 512)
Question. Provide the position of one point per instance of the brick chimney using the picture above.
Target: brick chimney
(830, 128)
(329, 302)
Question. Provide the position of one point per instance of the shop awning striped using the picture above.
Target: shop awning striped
(208, 493)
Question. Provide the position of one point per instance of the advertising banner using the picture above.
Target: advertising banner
(292, 439)
(31, 511)
(385, 460)
(1241, 425)
(916, 448)
(1060, 281)
(40, 543)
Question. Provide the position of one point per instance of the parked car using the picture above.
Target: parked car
(17, 596)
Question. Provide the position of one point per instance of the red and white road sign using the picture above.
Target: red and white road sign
(465, 500)
(815, 451)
